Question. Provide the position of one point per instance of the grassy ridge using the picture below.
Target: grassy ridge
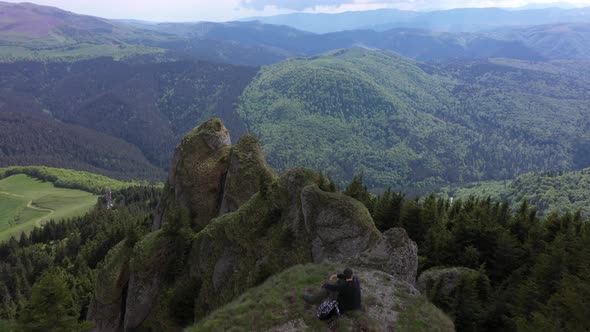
(277, 305)
(66, 178)
(26, 202)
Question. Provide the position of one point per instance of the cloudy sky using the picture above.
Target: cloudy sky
(223, 10)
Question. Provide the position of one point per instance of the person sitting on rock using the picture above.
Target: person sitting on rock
(346, 290)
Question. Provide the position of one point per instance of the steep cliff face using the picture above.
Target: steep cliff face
(107, 306)
(226, 224)
(198, 171)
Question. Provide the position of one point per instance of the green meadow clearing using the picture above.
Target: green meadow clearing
(26, 202)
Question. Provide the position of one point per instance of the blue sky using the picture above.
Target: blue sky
(224, 10)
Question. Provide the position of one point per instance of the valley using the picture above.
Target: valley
(184, 175)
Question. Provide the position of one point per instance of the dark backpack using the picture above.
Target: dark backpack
(328, 310)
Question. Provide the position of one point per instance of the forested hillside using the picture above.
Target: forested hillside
(545, 191)
(558, 41)
(110, 117)
(403, 123)
(513, 270)
(65, 255)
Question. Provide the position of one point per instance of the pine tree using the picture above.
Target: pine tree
(51, 306)
(357, 190)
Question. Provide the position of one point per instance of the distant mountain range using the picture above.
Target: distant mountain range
(31, 32)
(453, 20)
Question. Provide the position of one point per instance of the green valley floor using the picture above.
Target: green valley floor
(26, 202)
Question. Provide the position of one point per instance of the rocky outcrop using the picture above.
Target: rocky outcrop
(340, 227)
(111, 285)
(244, 225)
(395, 253)
(247, 171)
(148, 264)
(388, 305)
(294, 222)
(209, 177)
(198, 171)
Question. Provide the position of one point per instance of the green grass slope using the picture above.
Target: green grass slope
(400, 122)
(277, 305)
(547, 192)
(33, 32)
(67, 178)
(26, 202)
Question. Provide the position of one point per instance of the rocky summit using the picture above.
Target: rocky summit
(226, 224)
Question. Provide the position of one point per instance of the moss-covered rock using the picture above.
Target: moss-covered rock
(276, 305)
(340, 226)
(198, 171)
(247, 171)
(394, 253)
(293, 222)
(111, 285)
(226, 223)
(241, 249)
(148, 265)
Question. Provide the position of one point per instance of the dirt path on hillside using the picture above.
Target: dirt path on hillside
(30, 205)
(15, 195)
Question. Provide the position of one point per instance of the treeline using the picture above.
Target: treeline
(59, 260)
(70, 179)
(550, 191)
(534, 274)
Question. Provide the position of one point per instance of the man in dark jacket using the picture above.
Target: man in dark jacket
(346, 290)
(349, 290)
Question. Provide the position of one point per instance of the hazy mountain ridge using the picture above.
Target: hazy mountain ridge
(453, 20)
(73, 37)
